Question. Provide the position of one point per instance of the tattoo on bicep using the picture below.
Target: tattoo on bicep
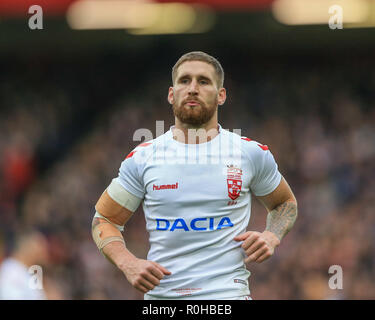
(281, 219)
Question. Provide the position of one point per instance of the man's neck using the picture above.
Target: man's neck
(189, 134)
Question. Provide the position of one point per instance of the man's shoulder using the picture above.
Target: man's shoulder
(254, 150)
(11, 268)
(147, 148)
(250, 147)
(253, 145)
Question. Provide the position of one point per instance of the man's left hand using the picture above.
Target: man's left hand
(258, 246)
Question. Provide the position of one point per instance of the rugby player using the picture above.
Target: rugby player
(195, 184)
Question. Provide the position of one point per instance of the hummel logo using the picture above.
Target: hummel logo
(240, 281)
(165, 186)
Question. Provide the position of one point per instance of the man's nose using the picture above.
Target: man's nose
(193, 88)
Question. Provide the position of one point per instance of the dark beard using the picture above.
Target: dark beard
(192, 117)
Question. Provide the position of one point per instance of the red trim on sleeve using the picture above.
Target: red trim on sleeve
(145, 144)
(130, 154)
(245, 138)
(264, 147)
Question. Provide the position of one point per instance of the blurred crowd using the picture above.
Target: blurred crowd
(316, 116)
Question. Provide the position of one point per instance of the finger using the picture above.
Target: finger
(144, 282)
(141, 288)
(256, 255)
(263, 257)
(254, 247)
(242, 236)
(151, 278)
(157, 272)
(164, 270)
(254, 236)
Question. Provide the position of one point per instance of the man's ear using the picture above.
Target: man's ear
(170, 95)
(222, 96)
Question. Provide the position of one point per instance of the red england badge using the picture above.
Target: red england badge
(234, 181)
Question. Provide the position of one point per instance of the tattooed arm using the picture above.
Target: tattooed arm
(281, 219)
(282, 213)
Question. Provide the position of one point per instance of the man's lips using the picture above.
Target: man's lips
(192, 103)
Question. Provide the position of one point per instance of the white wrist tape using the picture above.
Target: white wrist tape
(118, 193)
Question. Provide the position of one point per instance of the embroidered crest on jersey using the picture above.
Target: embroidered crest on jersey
(234, 181)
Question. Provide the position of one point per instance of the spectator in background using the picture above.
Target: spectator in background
(31, 248)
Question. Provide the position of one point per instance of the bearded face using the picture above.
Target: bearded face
(194, 111)
(195, 95)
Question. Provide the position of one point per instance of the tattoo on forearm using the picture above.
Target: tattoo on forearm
(281, 219)
(95, 222)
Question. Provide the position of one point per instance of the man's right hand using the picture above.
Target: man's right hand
(144, 275)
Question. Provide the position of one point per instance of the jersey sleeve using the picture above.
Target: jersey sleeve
(129, 177)
(266, 174)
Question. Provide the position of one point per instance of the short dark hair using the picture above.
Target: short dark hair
(200, 56)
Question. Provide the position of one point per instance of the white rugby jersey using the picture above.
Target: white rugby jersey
(196, 199)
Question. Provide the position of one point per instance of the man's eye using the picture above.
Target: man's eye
(203, 82)
(184, 81)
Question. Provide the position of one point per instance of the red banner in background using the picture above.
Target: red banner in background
(13, 8)
(229, 4)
